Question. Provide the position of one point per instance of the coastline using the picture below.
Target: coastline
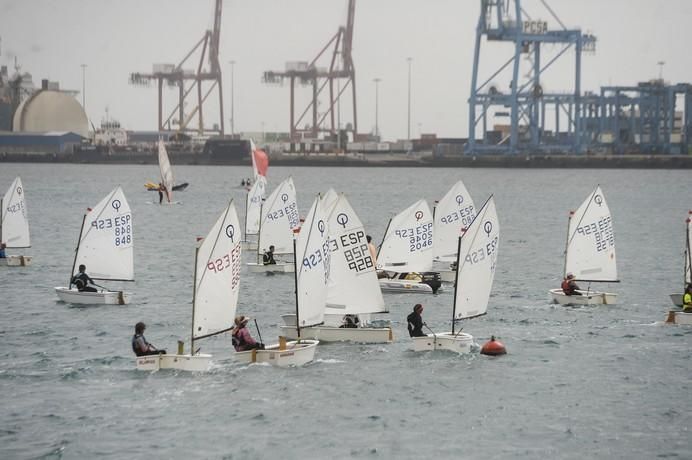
(426, 160)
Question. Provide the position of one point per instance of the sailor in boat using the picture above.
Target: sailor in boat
(242, 183)
(2, 251)
(373, 250)
(242, 340)
(569, 286)
(268, 257)
(415, 322)
(687, 299)
(162, 188)
(350, 321)
(82, 280)
(140, 345)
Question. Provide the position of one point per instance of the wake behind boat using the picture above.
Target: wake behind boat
(476, 265)
(106, 247)
(215, 294)
(14, 225)
(589, 252)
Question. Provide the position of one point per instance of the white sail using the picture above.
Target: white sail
(217, 277)
(688, 251)
(253, 206)
(353, 285)
(408, 244)
(476, 263)
(14, 221)
(312, 266)
(590, 252)
(279, 218)
(106, 243)
(166, 171)
(454, 213)
(329, 200)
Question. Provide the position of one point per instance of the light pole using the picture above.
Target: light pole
(232, 100)
(84, 66)
(377, 108)
(408, 125)
(660, 69)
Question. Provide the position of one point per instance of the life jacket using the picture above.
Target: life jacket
(566, 288)
(134, 344)
(238, 341)
(80, 280)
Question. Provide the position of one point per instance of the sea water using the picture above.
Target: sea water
(592, 382)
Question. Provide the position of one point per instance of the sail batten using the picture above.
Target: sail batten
(590, 249)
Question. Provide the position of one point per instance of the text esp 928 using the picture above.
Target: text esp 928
(355, 249)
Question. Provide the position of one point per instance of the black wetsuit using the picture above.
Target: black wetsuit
(415, 325)
(268, 258)
(82, 281)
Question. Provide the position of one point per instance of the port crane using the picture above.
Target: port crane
(322, 80)
(203, 78)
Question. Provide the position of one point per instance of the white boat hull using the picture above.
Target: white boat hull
(679, 317)
(92, 298)
(341, 334)
(392, 285)
(587, 298)
(459, 343)
(676, 299)
(16, 261)
(196, 363)
(295, 354)
(283, 267)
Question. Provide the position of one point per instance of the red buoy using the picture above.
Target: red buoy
(493, 348)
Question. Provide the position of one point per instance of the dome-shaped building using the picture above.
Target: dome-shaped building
(50, 110)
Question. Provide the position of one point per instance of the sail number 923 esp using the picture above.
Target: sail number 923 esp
(486, 251)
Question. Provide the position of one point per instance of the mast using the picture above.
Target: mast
(247, 198)
(295, 277)
(383, 238)
(259, 231)
(1, 214)
(688, 252)
(564, 264)
(456, 286)
(194, 299)
(76, 251)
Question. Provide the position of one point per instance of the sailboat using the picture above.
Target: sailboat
(214, 296)
(166, 175)
(279, 218)
(590, 251)
(253, 211)
(405, 257)
(106, 246)
(14, 224)
(353, 290)
(677, 316)
(452, 215)
(311, 248)
(475, 271)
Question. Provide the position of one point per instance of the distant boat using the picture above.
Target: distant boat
(106, 247)
(353, 290)
(676, 316)
(405, 258)
(214, 296)
(260, 161)
(253, 212)
(311, 248)
(475, 272)
(279, 219)
(167, 178)
(14, 224)
(452, 215)
(590, 252)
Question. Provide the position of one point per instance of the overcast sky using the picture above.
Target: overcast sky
(52, 38)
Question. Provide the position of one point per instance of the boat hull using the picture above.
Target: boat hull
(405, 286)
(196, 363)
(341, 334)
(679, 317)
(284, 267)
(16, 261)
(457, 343)
(92, 298)
(587, 298)
(295, 354)
(676, 299)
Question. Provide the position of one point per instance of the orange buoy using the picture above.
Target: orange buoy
(493, 348)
